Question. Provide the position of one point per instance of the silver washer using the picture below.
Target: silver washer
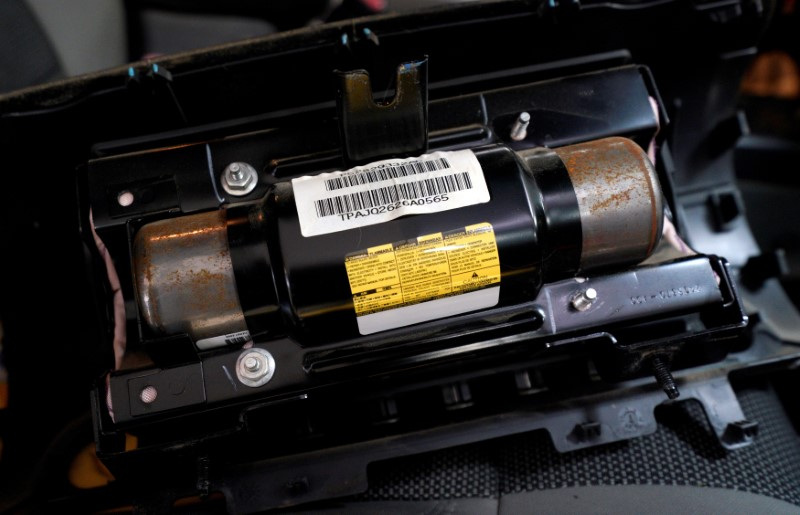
(255, 367)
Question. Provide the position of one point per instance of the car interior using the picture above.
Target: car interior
(399, 256)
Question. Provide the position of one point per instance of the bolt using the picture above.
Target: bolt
(255, 367)
(583, 300)
(519, 131)
(236, 172)
(239, 179)
(664, 377)
(252, 364)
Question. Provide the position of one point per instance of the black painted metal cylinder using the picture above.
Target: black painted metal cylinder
(315, 280)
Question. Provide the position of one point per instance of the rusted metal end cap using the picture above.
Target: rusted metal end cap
(184, 277)
(619, 199)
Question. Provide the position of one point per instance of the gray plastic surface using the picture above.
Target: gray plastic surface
(87, 35)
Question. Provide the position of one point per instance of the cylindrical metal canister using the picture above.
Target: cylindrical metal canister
(547, 214)
(619, 199)
(184, 278)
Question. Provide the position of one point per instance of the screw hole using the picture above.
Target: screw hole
(148, 394)
(125, 198)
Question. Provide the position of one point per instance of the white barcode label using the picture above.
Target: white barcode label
(392, 194)
(386, 172)
(232, 339)
(385, 190)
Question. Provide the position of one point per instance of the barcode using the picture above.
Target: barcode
(391, 194)
(237, 338)
(389, 172)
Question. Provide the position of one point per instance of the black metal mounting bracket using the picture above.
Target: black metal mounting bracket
(398, 128)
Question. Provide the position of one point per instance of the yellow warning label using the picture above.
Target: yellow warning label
(426, 268)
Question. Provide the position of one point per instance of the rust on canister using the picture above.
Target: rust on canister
(184, 277)
(619, 199)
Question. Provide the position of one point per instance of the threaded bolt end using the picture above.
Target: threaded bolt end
(664, 377)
